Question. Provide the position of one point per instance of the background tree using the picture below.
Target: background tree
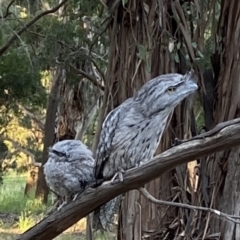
(222, 168)
(172, 44)
(37, 51)
(144, 39)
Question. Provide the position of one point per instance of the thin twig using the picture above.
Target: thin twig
(7, 12)
(39, 123)
(101, 33)
(98, 69)
(18, 146)
(26, 26)
(87, 55)
(152, 199)
(89, 77)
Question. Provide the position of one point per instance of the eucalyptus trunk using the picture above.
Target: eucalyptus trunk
(140, 38)
(223, 168)
(42, 189)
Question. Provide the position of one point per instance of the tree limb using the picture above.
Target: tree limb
(222, 139)
(39, 123)
(147, 195)
(98, 69)
(89, 77)
(18, 146)
(27, 25)
(7, 12)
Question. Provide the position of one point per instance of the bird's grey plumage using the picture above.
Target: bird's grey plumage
(103, 218)
(70, 168)
(131, 132)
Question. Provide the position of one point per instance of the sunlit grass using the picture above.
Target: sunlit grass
(25, 221)
(12, 199)
(12, 194)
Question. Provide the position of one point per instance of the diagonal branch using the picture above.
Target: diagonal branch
(89, 77)
(18, 146)
(223, 138)
(147, 195)
(39, 123)
(7, 11)
(29, 24)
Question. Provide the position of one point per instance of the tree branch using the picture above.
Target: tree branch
(98, 69)
(147, 195)
(29, 24)
(224, 138)
(89, 77)
(7, 12)
(39, 123)
(18, 146)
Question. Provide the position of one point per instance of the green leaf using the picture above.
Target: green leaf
(176, 58)
(124, 2)
(200, 54)
(194, 44)
(179, 45)
(142, 52)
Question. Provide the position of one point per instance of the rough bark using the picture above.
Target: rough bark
(208, 98)
(42, 189)
(225, 169)
(139, 43)
(222, 137)
(158, 20)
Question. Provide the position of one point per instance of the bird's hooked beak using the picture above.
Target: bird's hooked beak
(191, 80)
(191, 76)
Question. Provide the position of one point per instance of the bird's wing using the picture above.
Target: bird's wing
(105, 145)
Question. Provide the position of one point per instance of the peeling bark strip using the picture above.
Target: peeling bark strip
(226, 136)
(224, 169)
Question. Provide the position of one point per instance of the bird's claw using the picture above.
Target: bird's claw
(118, 174)
(200, 137)
(177, 142)
(97, 183)
(60, 207)
(75, 196)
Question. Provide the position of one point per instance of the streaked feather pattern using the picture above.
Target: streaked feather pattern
(132, 132)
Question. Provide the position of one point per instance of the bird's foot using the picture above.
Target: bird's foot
(53, 208)
(75, 196)
(63, 204)
(78, 194)
(118, 174)
(97, 183)
(177, 142)
(199, 137)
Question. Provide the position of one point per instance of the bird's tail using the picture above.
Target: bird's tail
(104, 216)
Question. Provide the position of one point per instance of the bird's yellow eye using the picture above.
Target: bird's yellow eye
(171, 89)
